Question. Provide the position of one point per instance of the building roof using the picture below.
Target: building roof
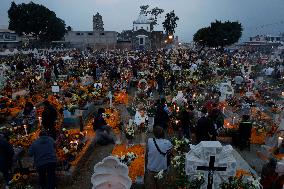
(6, 30)
(142, 19)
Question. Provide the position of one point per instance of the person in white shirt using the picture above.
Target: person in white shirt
(157, 150)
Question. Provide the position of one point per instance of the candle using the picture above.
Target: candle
(26, 130)
(39, 121)
(280, 139)
(234, 120)
(174, 106)
(177, 109)
(223, 110)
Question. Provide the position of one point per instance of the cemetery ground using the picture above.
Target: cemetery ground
(82, 176)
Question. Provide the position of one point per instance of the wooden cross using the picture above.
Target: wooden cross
(211, 168)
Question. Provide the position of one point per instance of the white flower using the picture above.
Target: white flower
(160, 175)
(186, 140)
(65, 150)
(123, 157)
(254, 182)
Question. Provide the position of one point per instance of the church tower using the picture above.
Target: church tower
(98, 24)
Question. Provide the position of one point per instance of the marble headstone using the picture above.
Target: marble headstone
(200, 155)
(111, 174)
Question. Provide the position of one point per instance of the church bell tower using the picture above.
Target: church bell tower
(98, 24)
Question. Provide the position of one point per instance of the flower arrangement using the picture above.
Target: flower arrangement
(136, 167)
(129, 132)
(241, 183)
(112, 118)
(69, 144)
(20, 181)
(128, 158)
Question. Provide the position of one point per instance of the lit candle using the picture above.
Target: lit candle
(224, 110)
(280, 139)
(26, 130)
(176, 121)
(39, 121)
(234, 120)
(177, 109)
(174, 106)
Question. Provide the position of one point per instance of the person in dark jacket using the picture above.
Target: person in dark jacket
(103, 131)
(43, 151)
(245, 131)
(49, 117)
(203, 127)
(268, 174)
(29, 115)
(6, 159)
(187, 117)
(162, 114)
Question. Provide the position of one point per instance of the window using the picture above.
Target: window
(1, 36)
(136, 28)
(7, 36)
(147, 28)
(13, 37)
(90, 33)
(102, 33)
(141, 41)
(78, 34)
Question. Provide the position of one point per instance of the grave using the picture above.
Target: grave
(216, 162)
(112, 174)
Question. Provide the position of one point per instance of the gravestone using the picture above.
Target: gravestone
(226, 91)
(214, 161)
(111, 174)
(179, 99)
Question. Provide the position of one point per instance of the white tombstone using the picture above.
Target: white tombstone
(226, 91)
(179, 99)
(111, 174)
(211, 159)
(139, 119)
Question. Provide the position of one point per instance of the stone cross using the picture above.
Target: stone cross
(211, 168)
(221, 166)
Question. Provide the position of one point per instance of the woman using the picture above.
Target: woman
(245, 132)
(29, 116)
(157, 158)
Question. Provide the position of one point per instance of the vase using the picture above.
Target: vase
(143, 138)
(118, 138)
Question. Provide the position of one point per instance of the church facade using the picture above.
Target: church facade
(143, 37)
(98, 38)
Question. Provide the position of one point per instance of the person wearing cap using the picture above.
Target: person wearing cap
(44, 154)
(6, 159)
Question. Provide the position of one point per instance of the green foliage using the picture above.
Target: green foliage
(154, 14)
(219, 34)
(170, 23)
(36, 21)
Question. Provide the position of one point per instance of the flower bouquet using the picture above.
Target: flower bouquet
(129, 132)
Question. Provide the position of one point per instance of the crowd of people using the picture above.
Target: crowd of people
(193, 71)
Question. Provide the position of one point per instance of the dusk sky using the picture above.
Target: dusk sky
(257, 16)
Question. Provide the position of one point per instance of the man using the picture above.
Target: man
(6, 159)
(103, 135)
(43, 151)
(245, 131)
(203, 127)
(162, 114)
(187, 118)
(49, 116)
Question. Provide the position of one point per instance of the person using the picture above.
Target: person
(162, 114)
(203, 127)
(187, 117)
(157, 158)
(244, 132)
(216, 118)
(49, 117)
(160, 79)
(268, 174)
(103, 131)
(29, 116)
(6, 159)
(44, 154)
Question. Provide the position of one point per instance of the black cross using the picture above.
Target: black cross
(211, 170)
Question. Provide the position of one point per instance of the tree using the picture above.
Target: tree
(154, 14)
(35, 20)
(219, 34)
(170, 23)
